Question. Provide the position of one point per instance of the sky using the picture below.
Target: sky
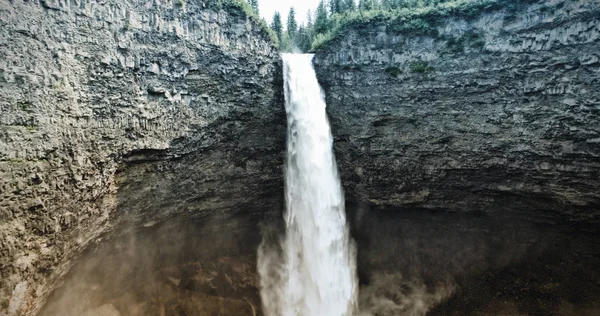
(268, 7)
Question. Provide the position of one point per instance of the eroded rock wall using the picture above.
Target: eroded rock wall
(499, 113)
(91, 87)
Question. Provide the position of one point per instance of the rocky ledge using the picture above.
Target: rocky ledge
(126, 112)
(494, 114)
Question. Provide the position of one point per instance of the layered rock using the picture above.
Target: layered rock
(497, 113)
(126, 112)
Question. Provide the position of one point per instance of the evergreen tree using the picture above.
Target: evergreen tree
(336, 6)
(403, 4)
(349, 5)
(316, 30)
(309, 20)
(321, 19)
(366, 5)
(285, 45)
(303, 38)
(305, 34)
(254, 5)
(292, 25)
(277, 26)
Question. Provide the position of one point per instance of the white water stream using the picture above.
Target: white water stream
(314, 271)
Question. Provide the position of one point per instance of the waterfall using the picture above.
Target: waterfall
(314, 271)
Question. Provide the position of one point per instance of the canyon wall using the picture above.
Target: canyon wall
(496, 113)
(126, 112)
(116, 115)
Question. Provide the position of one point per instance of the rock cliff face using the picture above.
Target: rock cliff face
(126, 112)
(116, 115)
(494, 114)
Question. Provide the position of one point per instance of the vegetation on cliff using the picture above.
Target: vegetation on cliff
(250, 9)
(333, 18)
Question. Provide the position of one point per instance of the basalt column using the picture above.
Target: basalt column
(116, 115)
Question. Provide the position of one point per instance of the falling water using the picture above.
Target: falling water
(314, 273)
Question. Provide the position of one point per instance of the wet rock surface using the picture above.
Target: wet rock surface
(423, 262)
(126, 113)
(494, 114)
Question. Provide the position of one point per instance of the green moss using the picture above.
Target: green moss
(393, 71)
(31, 128)
(421, 67)
(23, 106)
